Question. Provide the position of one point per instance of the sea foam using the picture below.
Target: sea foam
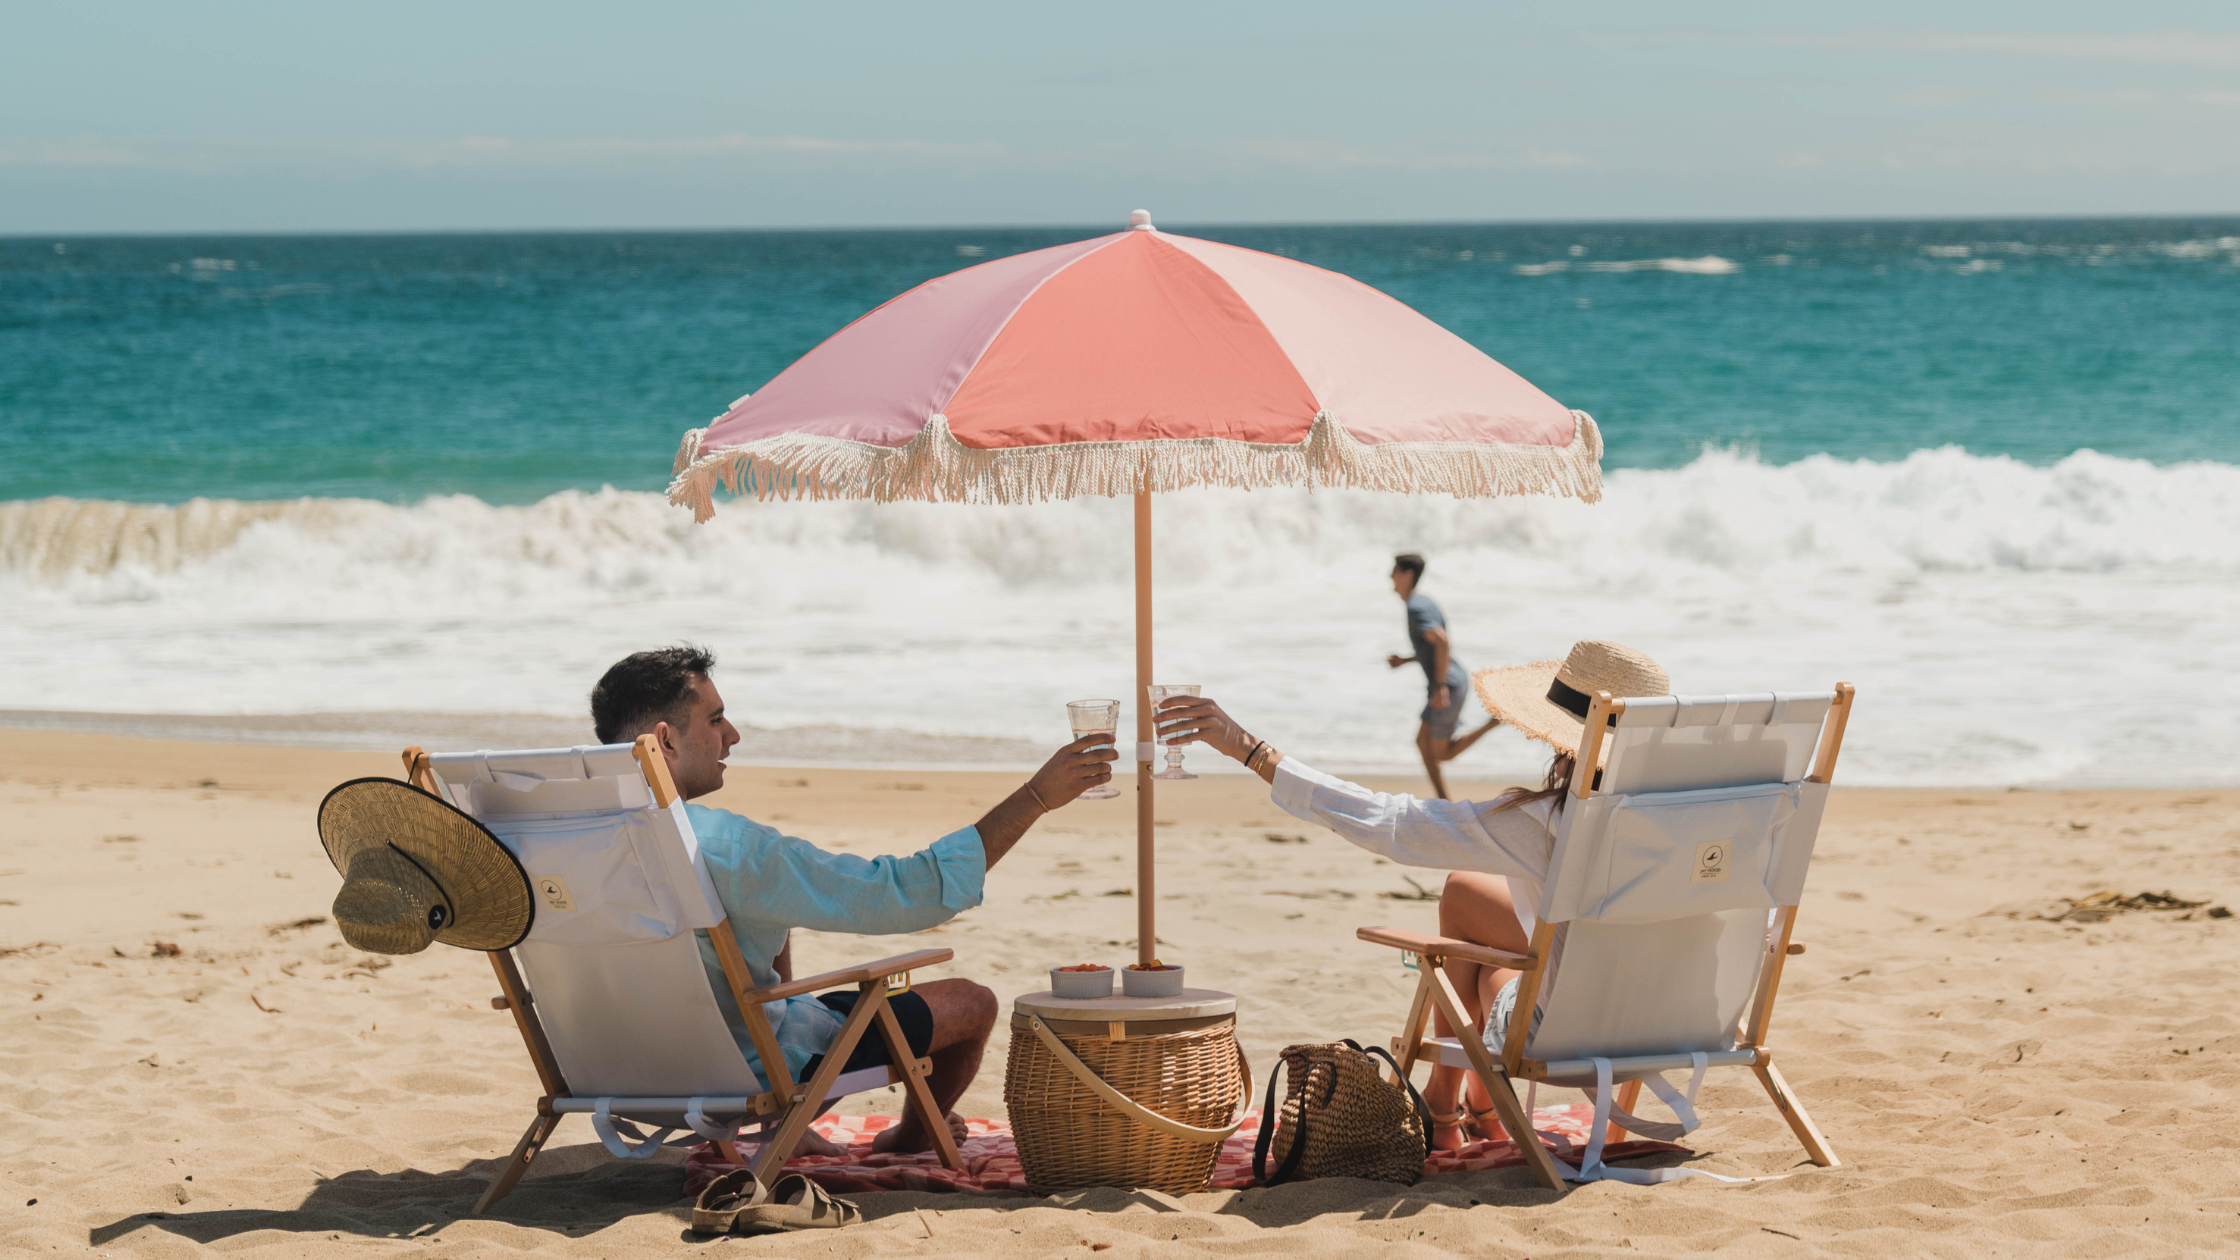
(2006, 623)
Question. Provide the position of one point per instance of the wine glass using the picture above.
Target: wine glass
(1160, 691)
(1095, 717)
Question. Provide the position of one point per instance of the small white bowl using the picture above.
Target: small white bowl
(1152, 984)
(1081, 984)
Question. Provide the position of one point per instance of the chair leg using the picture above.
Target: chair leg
(1511, 1110)
(1785, 1101)
(805, 1105)
(1504, 1095)
(517, 1163)
(1628, 1095)
(916, 1095)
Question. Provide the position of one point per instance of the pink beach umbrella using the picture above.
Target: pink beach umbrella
(1133, 363)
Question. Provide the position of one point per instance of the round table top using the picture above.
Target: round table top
(1189, 1004)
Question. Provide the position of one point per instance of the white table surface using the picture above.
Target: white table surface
(1189, 1004)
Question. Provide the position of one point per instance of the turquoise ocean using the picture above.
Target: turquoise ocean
(1989, 471)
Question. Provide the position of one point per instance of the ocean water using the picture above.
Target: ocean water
(1990, 472)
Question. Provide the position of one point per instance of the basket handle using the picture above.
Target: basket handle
(1136, 1111)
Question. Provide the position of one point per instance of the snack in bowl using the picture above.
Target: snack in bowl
(1082, 980)
(1153, 980)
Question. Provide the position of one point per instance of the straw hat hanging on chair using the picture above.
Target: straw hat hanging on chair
(416, 870)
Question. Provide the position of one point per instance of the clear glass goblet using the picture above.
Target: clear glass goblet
(1160, 691)
(1095, 717)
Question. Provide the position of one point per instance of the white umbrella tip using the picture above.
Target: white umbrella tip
(1140, 220)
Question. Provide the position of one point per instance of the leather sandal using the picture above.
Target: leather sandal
(1487, 1124)
(1458, 1119)
(796, 1202)
(717, 1209)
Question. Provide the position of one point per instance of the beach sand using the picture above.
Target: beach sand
(1995, 1084)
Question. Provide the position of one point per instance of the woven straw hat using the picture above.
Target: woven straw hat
(416, 870)
(1548, 699)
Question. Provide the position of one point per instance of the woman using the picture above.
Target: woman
(1497, 850)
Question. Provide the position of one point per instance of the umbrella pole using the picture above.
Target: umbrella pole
(1147, 934)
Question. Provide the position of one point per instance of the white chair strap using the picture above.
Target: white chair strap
(612, 1132)
(1591, 1167)
(697, 1120)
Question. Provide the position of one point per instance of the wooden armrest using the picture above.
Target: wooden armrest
(868, 972)
(1443, 947)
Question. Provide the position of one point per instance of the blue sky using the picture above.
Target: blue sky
(401, 116)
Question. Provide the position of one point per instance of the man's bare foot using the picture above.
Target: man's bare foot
(815, 1143)
(910, 1137)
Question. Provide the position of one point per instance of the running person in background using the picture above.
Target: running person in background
(1446, 681)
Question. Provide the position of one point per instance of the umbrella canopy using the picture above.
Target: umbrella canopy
(1130, 364)
(1135, 362)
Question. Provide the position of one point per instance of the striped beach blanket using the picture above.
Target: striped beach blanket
(991, 1160)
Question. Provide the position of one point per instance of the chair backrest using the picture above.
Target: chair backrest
(620, 887)
(1701, 825)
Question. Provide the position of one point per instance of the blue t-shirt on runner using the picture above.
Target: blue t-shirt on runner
(1424, 615)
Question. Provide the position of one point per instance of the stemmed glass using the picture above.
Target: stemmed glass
(1095, 717)
(1160, 691)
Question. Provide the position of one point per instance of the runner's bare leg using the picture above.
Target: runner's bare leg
(1434, 750)
(1457, 747)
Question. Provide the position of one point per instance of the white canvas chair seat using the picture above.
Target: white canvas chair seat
(1675, 876)
(608, 987)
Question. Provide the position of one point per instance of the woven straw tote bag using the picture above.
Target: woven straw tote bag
(1341, 1118)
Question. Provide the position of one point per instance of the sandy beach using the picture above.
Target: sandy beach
(197, 1062)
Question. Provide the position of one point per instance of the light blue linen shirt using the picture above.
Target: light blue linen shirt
(770, 882)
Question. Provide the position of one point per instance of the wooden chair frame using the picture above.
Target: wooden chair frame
(797, 1103)
(1436, 991)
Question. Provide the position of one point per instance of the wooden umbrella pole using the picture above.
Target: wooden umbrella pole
(1147, 934)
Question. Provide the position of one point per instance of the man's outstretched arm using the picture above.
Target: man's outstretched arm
(1072, 770)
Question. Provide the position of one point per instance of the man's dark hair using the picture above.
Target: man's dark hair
(1411, 562)
(647, 687)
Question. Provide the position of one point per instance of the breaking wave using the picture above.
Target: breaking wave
(2006, 623)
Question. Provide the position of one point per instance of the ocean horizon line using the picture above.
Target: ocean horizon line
(1732, 221)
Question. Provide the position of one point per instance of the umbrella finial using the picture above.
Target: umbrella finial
(1140, 221)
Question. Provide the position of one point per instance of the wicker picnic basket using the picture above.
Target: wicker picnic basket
(1145, 1100)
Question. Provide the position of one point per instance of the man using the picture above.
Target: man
(771, 883)
(1446, 681)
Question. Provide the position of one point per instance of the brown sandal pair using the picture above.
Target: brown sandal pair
(736, 1203)
(1475, 1125)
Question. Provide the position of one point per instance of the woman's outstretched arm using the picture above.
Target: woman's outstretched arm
(1407, 829)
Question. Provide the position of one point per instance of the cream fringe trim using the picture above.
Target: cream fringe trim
(934, 466)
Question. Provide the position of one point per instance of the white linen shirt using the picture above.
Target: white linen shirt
(1444, 835)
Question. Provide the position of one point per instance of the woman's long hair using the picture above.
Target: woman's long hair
(1554, 786)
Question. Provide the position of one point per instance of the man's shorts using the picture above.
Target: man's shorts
(1443, 721)
(910, 1011)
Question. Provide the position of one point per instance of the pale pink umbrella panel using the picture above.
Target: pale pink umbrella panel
(1134, 363)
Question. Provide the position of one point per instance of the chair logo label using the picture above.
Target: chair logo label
(1711, 862)
(555, 892)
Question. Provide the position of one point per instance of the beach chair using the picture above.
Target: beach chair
(608, 989)
(1678, 869)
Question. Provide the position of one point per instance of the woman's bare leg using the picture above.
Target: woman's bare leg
(1473, 907)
